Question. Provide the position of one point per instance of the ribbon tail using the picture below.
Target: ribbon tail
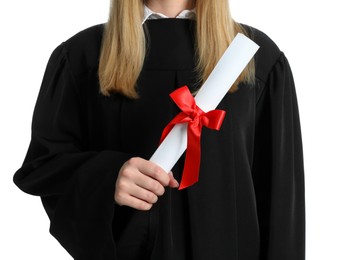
(193, 157)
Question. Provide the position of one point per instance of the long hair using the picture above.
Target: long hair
(124, 44)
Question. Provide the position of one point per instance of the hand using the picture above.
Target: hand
(140, 183)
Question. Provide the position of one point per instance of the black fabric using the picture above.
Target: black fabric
(249, 202)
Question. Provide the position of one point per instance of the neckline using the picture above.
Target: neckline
(151, 15)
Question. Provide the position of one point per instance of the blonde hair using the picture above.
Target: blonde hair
(124, 44)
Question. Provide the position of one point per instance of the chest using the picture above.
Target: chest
(135, 126)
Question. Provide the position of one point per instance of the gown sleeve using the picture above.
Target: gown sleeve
(278, 171)
(76, 185)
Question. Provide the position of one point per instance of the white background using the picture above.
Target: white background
(30, 30)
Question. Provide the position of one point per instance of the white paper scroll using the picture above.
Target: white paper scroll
(225, 73)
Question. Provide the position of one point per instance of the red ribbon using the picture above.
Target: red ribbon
(196, 119)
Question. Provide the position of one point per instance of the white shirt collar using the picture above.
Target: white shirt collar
(185, 14)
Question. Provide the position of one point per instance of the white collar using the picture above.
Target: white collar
(185, 14)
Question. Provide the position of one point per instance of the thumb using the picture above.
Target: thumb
(173, 183)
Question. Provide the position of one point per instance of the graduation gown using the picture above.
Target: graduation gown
(249, 201)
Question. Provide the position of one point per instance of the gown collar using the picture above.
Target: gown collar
(150, 15)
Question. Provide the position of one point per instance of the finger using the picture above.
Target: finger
(173, 183)
(144, 194)
(126, 187)
(133, 202)
(150, 184)
(150, 169)
(129, 194)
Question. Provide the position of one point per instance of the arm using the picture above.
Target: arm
(278, 170)
(76, 185)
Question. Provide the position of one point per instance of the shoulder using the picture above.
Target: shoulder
(267, 55)
(83, 49)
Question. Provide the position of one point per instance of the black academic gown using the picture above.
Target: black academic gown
(249, 201)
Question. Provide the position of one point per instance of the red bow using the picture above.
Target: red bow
(196, 119)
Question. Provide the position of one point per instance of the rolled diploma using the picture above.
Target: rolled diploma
(223, 76)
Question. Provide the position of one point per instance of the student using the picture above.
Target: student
(103, 104)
